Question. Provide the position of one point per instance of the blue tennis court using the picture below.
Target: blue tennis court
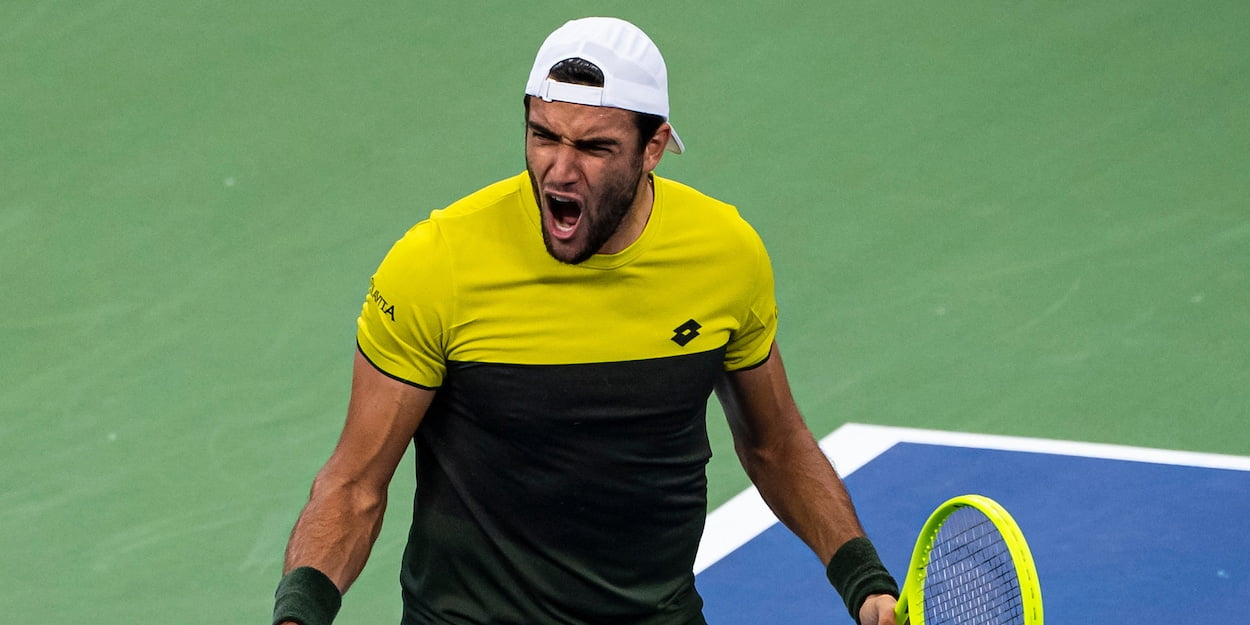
(1108, 526)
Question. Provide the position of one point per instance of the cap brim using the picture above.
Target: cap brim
(674, 142)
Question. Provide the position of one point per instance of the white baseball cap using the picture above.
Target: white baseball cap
(634, 75)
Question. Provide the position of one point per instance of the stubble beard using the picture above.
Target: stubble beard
(612, 204)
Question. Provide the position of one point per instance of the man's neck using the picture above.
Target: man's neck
(636, 222)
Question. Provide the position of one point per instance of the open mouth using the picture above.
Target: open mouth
(566, 214)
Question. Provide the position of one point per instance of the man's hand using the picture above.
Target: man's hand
(877, 610)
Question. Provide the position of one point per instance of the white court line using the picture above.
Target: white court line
(854, 445)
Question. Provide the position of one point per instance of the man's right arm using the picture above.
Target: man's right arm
(337, 528)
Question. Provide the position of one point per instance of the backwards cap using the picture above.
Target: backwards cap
(634, 75)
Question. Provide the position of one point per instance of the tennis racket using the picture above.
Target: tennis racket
(970, 566)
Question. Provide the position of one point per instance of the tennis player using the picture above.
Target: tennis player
(550, 343)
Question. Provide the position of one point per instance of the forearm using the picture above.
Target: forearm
(799, 484)
(336, 530)
(806, 494)
(801, 487)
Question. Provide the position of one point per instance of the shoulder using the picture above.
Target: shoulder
(681, 193)
(477, 216)
(717, 222)
(506, 192)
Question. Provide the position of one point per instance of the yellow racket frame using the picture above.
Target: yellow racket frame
(913, 585)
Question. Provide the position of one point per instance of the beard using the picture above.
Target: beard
(602, 216)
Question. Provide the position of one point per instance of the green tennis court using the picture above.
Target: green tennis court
(1004, 218)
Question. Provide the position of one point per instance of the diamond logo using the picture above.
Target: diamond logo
(686, 332)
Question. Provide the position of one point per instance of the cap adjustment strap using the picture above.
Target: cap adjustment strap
(568, 92)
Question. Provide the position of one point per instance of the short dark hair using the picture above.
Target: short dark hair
(579, 71)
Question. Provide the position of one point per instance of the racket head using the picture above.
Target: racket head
(971, 565)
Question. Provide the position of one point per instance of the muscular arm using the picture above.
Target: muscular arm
(782, 459)
(338, 526)
(785, 463)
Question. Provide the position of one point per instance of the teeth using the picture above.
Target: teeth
(561, 209)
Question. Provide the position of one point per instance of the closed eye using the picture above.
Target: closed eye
(598, 146)
(543, 135)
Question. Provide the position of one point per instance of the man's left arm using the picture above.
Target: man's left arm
(799, 484)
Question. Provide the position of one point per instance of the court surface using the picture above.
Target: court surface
(1109, 526)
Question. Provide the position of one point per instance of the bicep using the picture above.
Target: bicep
(382, 417)
(759, 405)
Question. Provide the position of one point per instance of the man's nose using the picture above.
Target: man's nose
(564, 166)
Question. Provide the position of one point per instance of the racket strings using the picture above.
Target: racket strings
(970, 578)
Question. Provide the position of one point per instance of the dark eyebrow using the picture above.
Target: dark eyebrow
(590, 143)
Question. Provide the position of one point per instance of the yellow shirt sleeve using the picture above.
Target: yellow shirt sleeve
(751, 343)
(402, 328)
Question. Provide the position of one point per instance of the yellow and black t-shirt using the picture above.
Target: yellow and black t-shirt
(561, 467)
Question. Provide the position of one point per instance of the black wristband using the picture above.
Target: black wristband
(856, 572)
(306, 596)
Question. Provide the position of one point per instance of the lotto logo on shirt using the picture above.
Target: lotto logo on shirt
(686, 332)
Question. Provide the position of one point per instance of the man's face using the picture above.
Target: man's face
(587, 171)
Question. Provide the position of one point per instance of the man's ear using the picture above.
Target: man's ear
(654, 151)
